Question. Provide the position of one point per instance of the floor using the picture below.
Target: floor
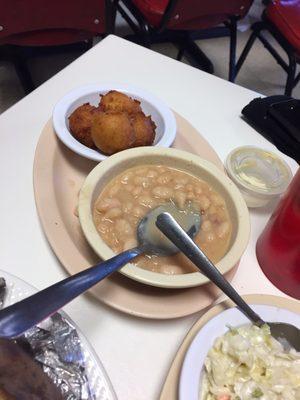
(260, 71)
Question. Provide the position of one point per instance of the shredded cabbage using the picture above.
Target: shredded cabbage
(248, 363)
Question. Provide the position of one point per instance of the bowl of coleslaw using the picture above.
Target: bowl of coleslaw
(231, 359)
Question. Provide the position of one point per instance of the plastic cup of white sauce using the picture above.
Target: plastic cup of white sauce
(260, 175)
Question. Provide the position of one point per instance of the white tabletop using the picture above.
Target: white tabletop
(136, 353)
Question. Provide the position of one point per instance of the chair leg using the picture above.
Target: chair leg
(232, 50)
(289, 68)
(290, 82)
(89, 44)
(297, 79)
(23, 73)
(257, 27)
(142, 31)
(273, 52)
(245, 52)
(146, 36)
(196, 57)
(180, 54)
(111, 15)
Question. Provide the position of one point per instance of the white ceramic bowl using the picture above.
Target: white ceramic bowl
(192, 368)
(114, 165)
(151, 105)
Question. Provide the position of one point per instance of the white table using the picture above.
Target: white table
(136, 353)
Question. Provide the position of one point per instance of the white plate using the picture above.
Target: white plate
(151, 105)
(190, 377)
(99, 382)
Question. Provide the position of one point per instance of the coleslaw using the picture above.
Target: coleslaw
(247, 363)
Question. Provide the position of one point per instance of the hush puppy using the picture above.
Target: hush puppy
(118, 123)
(112, 132)
(144, 129)
(116, 101)
(80, 122)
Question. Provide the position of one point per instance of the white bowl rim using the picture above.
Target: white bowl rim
(61, 107)
(190, 375)
(153, 278)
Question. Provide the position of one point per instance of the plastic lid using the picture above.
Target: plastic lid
(258, 170)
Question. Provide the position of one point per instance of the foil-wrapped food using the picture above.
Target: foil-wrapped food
(46, 363)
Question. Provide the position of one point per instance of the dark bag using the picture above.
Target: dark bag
(277, 118)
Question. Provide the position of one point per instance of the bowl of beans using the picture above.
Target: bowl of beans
(122, 189)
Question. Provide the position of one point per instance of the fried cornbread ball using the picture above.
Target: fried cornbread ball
(144, 129)
(80, 122)
(118, 123)
(116, 101)
(112, 132)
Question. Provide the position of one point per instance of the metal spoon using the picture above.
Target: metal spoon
(21, 316)
(288, 335)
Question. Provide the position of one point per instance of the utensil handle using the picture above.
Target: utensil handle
(21, 316)
(168, 225)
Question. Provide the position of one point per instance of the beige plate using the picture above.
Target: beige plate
(58, 176)
(170, 388)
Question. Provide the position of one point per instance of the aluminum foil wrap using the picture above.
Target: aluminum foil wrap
(56, 346)
(2, 292)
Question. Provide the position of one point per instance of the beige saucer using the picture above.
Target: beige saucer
(170, 388)
(58, 175)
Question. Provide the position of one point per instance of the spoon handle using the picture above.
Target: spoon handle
(168, 225)
(21, 316)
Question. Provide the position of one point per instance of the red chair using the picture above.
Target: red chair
(34, 26)
(281, 18)
(183, 21)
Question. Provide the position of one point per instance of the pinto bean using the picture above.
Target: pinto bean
(106, 204)
(204, 202)
(162, 192)
(223, 229)
(217, 200)
(206, 226)
(113, 213)
(180, 199)
(123, 227)
(164, 178)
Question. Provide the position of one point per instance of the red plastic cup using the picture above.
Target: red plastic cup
(278, 247)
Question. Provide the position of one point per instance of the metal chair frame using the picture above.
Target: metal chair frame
(289, 68)
(146, 35)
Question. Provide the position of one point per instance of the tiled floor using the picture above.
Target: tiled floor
(260, 71)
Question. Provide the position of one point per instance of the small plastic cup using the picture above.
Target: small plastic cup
(260, 175)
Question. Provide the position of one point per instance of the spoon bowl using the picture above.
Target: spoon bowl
(21, 316)
(288, 335)
(154, 241)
